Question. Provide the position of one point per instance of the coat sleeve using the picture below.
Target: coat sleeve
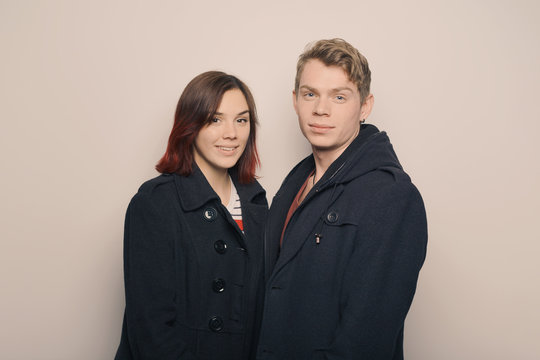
(149, 274)
(380, 278)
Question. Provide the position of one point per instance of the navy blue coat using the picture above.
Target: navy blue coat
(192, 278)
(347, 296)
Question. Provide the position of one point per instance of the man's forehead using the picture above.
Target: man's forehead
(317, 74)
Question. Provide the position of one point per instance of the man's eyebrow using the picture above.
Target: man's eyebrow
(343, 88)
(338, 89)
(240, 113)
(306, 87)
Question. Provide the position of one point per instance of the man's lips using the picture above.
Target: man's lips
(320, 125)
(320, 128)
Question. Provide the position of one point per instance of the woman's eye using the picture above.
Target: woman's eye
(243, 120)
(215, 120)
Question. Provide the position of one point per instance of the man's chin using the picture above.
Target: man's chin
(322, 147)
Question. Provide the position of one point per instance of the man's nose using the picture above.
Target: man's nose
(322, 107)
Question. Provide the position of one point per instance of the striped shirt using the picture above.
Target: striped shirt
(235, 207)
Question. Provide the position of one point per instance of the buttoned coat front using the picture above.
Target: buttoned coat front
(341, 284)
(192, 277)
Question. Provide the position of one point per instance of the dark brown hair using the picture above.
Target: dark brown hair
(196, 108)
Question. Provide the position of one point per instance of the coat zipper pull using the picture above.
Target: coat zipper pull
(318, 238)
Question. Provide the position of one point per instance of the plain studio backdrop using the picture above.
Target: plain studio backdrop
(88, 91)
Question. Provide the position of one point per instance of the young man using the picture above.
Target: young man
(347, 230)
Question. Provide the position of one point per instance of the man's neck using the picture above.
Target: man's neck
(325, 157)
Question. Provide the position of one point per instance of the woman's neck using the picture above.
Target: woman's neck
(220, 182)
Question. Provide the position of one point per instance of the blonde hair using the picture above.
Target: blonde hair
(337, 52)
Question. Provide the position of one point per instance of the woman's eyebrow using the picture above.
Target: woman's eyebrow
(240, 113)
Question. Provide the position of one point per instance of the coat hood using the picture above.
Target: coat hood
(371, 150)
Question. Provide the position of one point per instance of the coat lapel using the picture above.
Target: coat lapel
(194, 190)
(254, 212)
(305, 224)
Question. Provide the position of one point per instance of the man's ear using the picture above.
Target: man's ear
(294, 101)
(366, 107)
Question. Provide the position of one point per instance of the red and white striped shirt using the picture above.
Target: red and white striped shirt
(235, 207)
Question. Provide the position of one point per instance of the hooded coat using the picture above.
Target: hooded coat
(343, 280)
(192, 277)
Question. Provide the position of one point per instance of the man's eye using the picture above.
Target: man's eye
(339, 97)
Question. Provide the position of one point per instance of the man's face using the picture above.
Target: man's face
(329, 107)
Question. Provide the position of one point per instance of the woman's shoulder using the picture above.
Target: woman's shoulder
(156, 189)
(154, 196)
(157, 182)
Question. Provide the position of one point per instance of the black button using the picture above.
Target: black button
(332, 217)
(220, 246)
(215, 323)
(210, 214)
(218, 285)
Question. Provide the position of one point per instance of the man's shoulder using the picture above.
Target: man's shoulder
(385, 185)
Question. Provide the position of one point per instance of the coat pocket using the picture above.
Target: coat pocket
(334, 235)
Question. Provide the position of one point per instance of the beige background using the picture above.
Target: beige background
(88, 90)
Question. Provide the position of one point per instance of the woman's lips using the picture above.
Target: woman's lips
(227, 150)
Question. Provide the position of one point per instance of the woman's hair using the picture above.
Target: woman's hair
(196, 107)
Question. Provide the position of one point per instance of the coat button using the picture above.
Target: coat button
(332, 217)
(210, 214)
(218, 285)
(215, 323)
(220, 246)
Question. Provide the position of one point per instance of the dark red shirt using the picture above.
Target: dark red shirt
(295, 204)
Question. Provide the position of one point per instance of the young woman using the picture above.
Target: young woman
(193, 235)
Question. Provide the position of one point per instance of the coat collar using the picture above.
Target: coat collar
(195, 191)
(339, 166)
(299, 174)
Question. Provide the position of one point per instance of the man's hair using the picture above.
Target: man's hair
(337, 52)
(196, 109)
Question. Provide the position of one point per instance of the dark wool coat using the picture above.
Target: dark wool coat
(347, 296)
(192, 278)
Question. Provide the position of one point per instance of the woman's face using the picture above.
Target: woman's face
(219, 145)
